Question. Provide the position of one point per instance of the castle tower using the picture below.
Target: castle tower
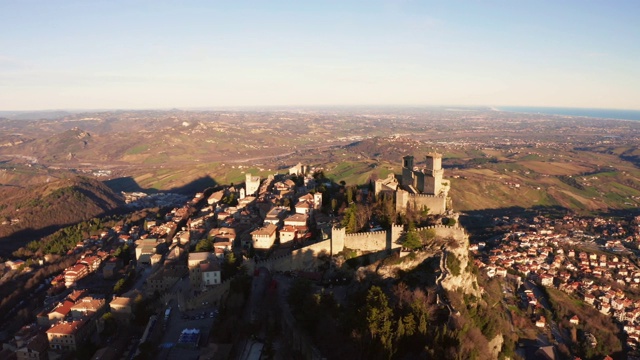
(433, 172)
(393, 236)
(434, 161)
(407, 171)
(252, 184)
(337, 239)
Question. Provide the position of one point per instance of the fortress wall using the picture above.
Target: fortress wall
(367, 241)
(301, 259)
(444, 231)
(436, 204)
(317, 248)
(306, 257)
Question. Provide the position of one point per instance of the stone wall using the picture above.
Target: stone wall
(437, 204)
(302, 259)
(366, 241)
(374, 241)
(306, 258)
(444, 231)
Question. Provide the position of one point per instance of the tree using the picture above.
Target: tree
(422, 325)
(409, 324)
(384, 209)
(400, 330)
(229, 267)
(118, 287)
(110, 324)
(379, 318)
(349, 221)
(453, 264)
(425, 210)
(204, 245)
(412, 240)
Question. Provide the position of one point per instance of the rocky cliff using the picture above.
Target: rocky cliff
(457, 264)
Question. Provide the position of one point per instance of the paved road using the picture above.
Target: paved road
(542, 300)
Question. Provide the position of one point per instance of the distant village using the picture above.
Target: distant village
(585, 257)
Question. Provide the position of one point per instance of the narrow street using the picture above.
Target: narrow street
(543, 301)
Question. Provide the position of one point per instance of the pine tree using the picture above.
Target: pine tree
(422, 326)
(409, 324)
(400, 330)
(379, 318)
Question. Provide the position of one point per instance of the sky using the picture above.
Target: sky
(198, 54)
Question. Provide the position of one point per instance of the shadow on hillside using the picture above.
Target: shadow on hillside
(126, 183)
(129, 184)
(476, 218)
(18, 239)
(12, 242)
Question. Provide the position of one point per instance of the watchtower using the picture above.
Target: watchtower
(407, 171)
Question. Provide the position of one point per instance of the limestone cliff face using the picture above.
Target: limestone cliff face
(459, 278)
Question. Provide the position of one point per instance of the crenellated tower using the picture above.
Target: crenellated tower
(433, 174)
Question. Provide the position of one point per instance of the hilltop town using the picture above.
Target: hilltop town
(176, 273)
(175, 270)
(225, 272)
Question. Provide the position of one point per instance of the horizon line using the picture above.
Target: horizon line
(308, 106)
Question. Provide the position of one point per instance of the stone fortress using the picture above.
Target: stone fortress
(418, 188)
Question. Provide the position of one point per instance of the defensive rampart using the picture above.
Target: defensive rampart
(366, 241)
(437, 204)
(444, 231)
(306, 258)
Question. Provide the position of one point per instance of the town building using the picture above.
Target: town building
(211, 274)
(88, 306)
(145, 248)
(75, 273)
(252, 184)
(68, 335)
(264, 237)
(35, 348)
(122, 308)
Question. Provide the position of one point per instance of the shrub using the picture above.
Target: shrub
(453, 264)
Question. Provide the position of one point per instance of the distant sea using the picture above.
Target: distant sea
(592, 113)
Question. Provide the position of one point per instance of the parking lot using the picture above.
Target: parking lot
(202, 320)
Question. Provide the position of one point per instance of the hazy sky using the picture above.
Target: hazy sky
(160, 54)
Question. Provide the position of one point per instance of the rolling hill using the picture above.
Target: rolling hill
(36, 210)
